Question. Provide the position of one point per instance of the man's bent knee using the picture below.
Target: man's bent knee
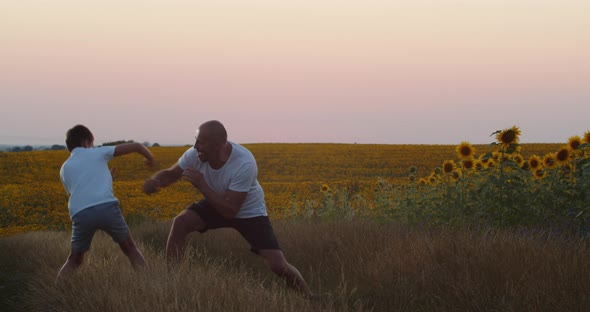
(187, 222)
(75, 258)
(127, 245)
(276, 260)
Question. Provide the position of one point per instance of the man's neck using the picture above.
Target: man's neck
(224, 155)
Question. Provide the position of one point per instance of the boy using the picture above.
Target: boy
(92, 204)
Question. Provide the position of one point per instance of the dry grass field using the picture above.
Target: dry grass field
(353, 265)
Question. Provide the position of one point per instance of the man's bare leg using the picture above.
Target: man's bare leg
(185, 223)
(277, 263)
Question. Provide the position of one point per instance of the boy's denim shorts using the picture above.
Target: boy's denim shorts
(106, 217)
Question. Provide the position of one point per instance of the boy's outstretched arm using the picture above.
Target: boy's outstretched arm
(127, 148)
(162, 178)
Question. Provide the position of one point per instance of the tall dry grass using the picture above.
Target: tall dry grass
(354, 265)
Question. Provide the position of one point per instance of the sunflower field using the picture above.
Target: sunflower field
(504, 183)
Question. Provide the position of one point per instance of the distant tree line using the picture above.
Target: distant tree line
(28, 148)
(57, 147)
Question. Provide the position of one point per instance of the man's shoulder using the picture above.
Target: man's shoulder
(243, 154)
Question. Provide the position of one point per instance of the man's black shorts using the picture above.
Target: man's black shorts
(257, 231)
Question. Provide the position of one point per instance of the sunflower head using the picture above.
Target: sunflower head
(468, 164)
(508, 136)
(412, 178)
(437, 171)
(325, 189)
(567, 168)
(465, 150)
(574, 142)
(413, 170)
(586, 138)
(563, 155)
(540, 173)
(534, 162)
(432, 179)
(449, 166)
(549, 160)
(478, 165)
(518, 159)
(496, 157)
(455, 175)
(484, 158)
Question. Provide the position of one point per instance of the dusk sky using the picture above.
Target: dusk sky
(339, 71)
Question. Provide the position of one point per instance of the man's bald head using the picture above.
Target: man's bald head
(214, 130)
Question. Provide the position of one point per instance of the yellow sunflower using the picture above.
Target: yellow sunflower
(465, 150)
(567, 168)
(325, 189)
(540, 173)
(468, 164)
(478, 165)
(549, 160)
(449, 166)
(456, 174)
(482, 159)
(574, 142)
(508, 136)
(563, 155)
(432, 179)
(422, 181)
(534, 162)
(496, 157)
(518, 159)
(412, 178)
(586, 137)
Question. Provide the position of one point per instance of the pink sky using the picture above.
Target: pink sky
(424, 72)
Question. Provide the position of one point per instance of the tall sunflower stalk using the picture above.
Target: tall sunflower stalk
(508, 142)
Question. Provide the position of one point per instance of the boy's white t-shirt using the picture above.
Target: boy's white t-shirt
(239, 174)
(87, 178)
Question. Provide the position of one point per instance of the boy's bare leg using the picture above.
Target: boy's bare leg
(73, 261)
(130, 250)
(279, 265)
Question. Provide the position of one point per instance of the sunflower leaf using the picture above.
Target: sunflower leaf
(493, 144)
(487, 156)
(495, 132)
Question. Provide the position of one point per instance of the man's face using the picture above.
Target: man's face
(205, 146)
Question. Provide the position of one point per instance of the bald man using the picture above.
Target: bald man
(227, 175)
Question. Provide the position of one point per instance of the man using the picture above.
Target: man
(92, 204)
(227, 175)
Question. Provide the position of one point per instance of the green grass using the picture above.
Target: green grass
(356, 265)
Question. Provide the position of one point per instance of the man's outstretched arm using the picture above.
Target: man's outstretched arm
(162, 178)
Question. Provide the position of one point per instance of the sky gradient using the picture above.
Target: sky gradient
(394, 72)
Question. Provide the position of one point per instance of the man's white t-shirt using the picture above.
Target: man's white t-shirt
(239, 174)
(87, 178)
